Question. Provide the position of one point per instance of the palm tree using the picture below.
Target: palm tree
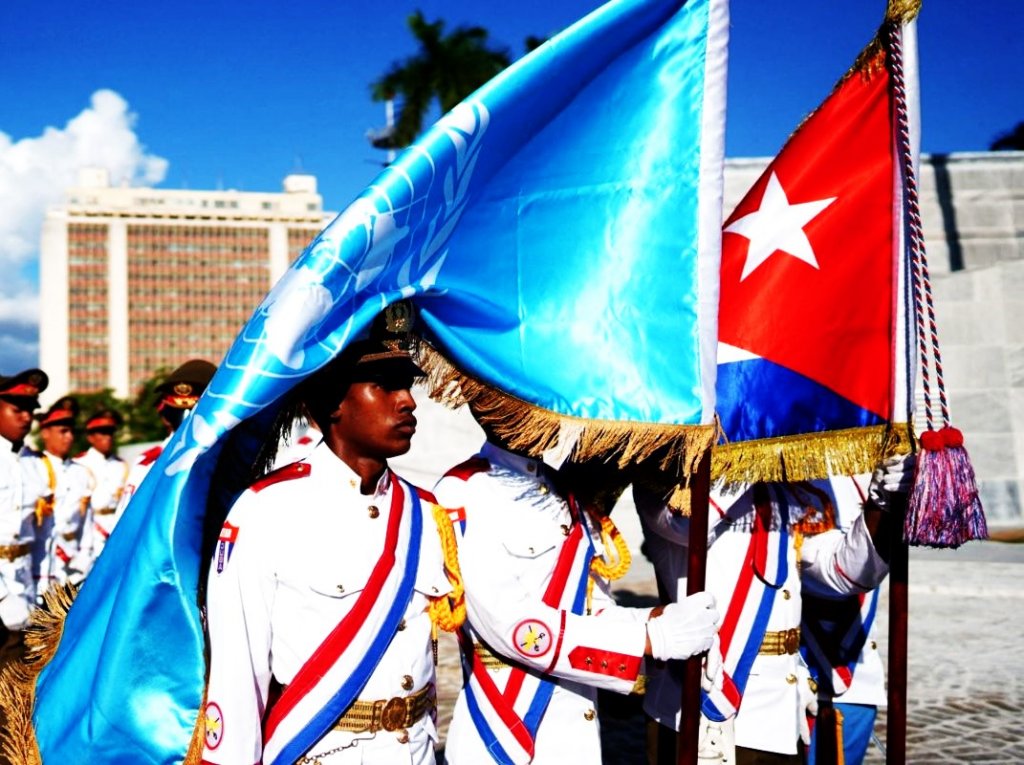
(446, 67)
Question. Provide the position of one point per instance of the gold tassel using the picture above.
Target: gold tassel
(809, 456)
(448, 611)
(531, 429)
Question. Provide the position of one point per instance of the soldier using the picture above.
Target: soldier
(108, 475)
(543, 633)
(19, 398)
(176, 395)
(765, 541)
(328, 580)
(61, 488)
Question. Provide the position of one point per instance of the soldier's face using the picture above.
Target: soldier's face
(57, 439)
(101, 440)
(375, 418)
(15, 419)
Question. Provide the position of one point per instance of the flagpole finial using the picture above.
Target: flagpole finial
(902, 11)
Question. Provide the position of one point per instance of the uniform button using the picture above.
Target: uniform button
(407, 683)
(543, 489)
(565, 530)
(403, 736)
(341, 588)
(373, 510)
(401, 625)
(530, 468)
(786, 595)
(531, 550)
(874, 645)
(589, 715)
(604, 664)
(791, 679)
(812, 685)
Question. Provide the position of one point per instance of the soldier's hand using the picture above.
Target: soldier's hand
(684, 629)
(14, 613)
(893, 476)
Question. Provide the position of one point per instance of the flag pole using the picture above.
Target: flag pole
(697, 552)
(896, 715)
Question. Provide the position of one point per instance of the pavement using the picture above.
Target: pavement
(965, 688)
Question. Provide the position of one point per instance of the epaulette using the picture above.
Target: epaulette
(469, 468)
(286, 473)
(151, 455)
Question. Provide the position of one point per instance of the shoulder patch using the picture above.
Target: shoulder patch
(469, 468)
(151, 455)
(286, 473)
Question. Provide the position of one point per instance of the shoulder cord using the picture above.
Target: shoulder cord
(600, 566)
(447, 612)
(44, 505)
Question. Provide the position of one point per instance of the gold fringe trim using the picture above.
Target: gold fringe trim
(531, 429)
(809, 456)
(18, 744)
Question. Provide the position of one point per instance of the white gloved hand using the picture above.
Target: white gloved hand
(684, 629)
(893, 476)
(14, 613)
(808, 695)
(713, 676)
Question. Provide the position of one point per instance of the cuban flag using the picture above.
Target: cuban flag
(559, 232)
(812, 347)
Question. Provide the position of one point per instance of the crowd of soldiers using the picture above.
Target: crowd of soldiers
(320, 657)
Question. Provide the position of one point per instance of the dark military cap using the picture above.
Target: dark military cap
(63, 412)
(387, 350)
(184, 386)
(23, 388)
(103, 419)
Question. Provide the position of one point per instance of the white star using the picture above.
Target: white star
(777, 225)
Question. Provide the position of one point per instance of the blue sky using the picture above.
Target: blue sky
(237, 95)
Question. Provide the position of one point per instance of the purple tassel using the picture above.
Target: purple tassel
(944, 508)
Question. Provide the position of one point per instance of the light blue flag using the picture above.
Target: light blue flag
(559, 232)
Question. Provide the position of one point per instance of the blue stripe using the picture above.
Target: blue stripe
(498, 754)
(324, 720)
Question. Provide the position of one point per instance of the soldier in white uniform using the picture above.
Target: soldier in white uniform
(328, 581)
(61, 487)
(19, 398)
(543, 633)
(175, 397)
(763, 539)
(108, 474)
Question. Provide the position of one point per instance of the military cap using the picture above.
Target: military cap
(63, 412)
(388, 349)
(184, 386)
(24, 387)
(103, 419)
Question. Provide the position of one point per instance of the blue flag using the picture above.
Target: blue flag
(559, 232)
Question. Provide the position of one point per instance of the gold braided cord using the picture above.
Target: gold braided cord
(448, 612)
(527, 428)
(612, 539)
(809, 456)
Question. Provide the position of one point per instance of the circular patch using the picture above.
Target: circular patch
(532, 638)
(214, 726)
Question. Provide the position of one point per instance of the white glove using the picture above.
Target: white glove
(713, 676)
(808, 703)
(14, 613)
(684, 629)
(893, 476)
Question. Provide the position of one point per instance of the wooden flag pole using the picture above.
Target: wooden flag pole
(899, 571)
(697, 551)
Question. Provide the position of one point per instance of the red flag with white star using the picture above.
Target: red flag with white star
(810, 276)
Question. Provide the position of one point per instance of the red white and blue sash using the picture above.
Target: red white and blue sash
(764, 571)
(832, 649)
(507, 719)
(332, 678)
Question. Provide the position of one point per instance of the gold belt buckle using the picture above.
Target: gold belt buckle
(392, 716)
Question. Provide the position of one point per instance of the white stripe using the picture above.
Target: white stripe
(501, 732)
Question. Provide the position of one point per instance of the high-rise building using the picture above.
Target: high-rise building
(138, 279)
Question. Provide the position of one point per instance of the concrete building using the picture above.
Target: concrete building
(135, 279)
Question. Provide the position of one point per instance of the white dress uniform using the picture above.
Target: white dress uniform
(515, 527)
(771, 716)
(108, 475)
(295, 554)
(64, 486)
(137, 474)
(17, 532)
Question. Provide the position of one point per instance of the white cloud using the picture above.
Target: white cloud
(34, 172)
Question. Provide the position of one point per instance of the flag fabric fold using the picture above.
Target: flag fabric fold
(559, 233)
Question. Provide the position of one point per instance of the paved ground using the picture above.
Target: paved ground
(966, 660)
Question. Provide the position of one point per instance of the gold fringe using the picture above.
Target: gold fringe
(809, 456)
(18, 743)
(531, 429)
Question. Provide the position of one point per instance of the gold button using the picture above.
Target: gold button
(403, 736)
(341, 588)
(531, 550)
(565, 530)
(791, 679)
(622, 668)
(407, 683)
(543, 489)
(786, 595)
(604, 664)
(373, 510)
(812, 685)
(401, 625)
(589, 715)
(874, 645)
